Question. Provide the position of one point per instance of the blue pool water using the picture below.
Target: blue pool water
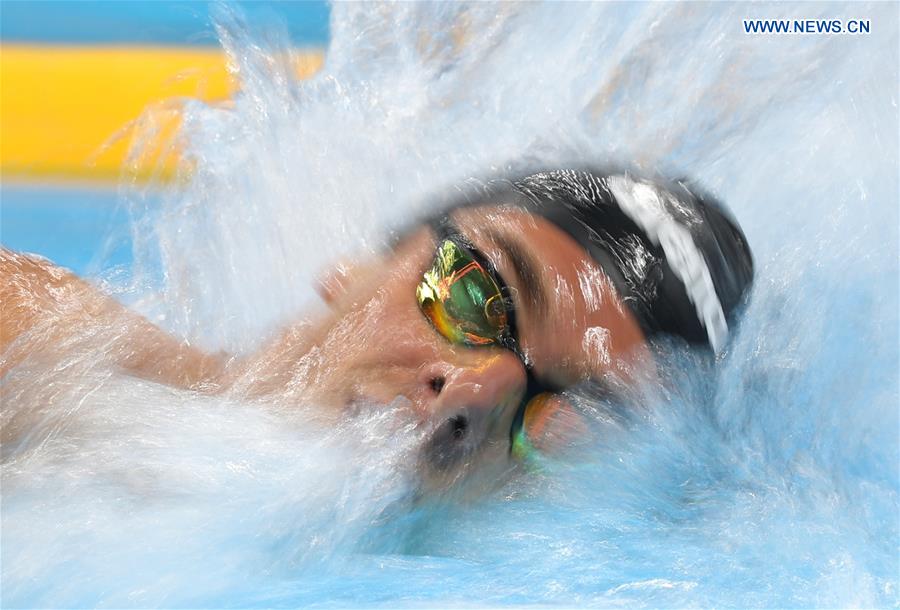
(81, 228)
(769, 478)
(157, 22)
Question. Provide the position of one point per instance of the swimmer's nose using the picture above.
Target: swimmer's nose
(471, 404)
(486, 380)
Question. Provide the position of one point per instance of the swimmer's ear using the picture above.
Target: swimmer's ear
(332, 283)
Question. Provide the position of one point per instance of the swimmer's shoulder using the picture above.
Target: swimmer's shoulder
(45, 307)
(36, 293)
(31, 289)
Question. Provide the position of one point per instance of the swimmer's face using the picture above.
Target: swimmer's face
(377, 347)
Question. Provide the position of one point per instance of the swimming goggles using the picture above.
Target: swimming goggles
(464, 297)
(469, 304)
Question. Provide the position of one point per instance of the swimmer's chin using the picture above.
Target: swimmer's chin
(477, 477)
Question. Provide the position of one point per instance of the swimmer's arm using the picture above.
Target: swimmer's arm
(48, 313)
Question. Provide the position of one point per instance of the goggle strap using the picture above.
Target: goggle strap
(532, 389)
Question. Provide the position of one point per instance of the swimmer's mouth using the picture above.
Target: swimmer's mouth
(451, 443)
(467, 432)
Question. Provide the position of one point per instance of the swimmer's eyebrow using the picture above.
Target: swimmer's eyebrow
(526, 269)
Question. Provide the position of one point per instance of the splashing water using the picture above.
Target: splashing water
(769, 481)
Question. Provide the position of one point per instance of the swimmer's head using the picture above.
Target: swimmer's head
(676, 257)
(522, 287)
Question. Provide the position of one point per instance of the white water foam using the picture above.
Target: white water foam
(768, 480)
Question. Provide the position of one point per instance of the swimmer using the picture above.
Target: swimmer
(477, 317)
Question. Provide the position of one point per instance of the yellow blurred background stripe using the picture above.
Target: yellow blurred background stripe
(66, 111)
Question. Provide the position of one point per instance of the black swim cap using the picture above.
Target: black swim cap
(677, 259)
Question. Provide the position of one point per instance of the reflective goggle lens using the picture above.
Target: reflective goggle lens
(461, 298)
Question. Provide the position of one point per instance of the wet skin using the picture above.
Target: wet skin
(374, 344)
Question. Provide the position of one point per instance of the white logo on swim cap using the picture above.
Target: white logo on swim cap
(642, 204)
